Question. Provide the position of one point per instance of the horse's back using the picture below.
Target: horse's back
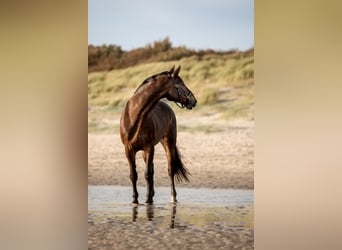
(163, 110)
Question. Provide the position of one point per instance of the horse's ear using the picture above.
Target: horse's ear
(175, 74)
(171, 70)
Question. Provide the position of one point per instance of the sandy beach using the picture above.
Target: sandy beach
(218, 160)
(215, 160)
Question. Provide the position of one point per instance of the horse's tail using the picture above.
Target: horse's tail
(181, 172)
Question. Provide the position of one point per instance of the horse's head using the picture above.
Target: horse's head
(178, 91)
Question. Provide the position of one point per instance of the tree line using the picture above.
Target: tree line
(109, 57)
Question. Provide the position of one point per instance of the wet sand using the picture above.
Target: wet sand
(111, 232)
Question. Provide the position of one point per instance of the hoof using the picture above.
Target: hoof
(173, 199)
(135, 202)
(149, 202)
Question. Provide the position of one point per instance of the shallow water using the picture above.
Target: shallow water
(198, 208)
(98, 195)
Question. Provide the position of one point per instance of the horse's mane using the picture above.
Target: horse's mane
(150, 79)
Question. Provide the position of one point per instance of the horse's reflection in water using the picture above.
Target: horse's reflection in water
(134, 212)
(173, 215)
(150, 213)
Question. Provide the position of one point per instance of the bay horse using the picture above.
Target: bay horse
(147, 120)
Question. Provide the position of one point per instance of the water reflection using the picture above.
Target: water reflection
(222, 208)
(134, 212)
(150, 214)
(173, 215)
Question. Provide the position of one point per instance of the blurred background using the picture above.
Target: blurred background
(213, 41)
(44, 127)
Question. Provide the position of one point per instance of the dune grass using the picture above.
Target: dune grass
(222, 84)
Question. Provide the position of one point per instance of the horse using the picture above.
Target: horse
(147, 120)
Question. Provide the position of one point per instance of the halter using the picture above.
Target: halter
(180, 105)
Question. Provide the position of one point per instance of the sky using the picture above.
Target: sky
(196, 24)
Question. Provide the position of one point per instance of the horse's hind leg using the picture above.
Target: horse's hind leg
(130, 154)
(170, 150)
(148, 155)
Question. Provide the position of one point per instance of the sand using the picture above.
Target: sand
(215, 160)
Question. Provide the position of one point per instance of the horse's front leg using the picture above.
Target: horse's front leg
(149, 172)
(130, 154)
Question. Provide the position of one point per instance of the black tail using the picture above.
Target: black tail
(181, 172)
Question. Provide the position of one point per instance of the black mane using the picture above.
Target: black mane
(149, 79)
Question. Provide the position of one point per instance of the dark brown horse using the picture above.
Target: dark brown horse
(145, 121)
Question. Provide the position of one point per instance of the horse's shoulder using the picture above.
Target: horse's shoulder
(163, 105)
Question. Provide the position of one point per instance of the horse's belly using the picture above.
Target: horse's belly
(152, 132)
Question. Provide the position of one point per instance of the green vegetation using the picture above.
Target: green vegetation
(222, 82)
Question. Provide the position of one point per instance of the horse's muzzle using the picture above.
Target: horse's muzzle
(190, 103)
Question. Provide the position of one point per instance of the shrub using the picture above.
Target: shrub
(109, 57)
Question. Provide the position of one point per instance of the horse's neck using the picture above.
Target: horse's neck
(141, 104)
